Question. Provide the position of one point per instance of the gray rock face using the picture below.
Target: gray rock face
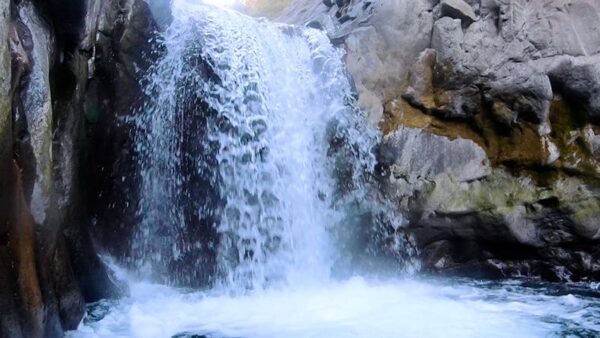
(526, 93)
(413, 154)
(417, 161)
(458, 9)
(508, 92)
(387, 45)
(502, 50)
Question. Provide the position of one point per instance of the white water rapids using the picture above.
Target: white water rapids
(287, 160)
(355, 308)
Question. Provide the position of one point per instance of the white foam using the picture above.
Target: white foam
(353, 308)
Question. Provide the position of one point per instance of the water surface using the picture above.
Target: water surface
(358, 308)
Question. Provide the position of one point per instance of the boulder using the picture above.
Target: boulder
(503, 226)
(446, 40)
(524, 91)
(415, 154)
(458, 9)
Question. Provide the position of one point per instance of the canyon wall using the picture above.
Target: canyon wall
(68, 71)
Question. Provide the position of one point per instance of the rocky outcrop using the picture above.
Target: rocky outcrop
(55, 87)
(489, 110)
(458, 9)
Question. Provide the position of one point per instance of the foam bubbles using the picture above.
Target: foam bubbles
(352, 308)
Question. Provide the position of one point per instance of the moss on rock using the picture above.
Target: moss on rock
(498, 190)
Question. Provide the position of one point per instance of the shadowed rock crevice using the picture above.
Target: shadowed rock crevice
(49, 261)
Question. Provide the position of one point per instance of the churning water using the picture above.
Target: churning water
(257, 172)
(355, 308)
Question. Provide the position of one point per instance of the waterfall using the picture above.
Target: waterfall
(251, 151)
(259, 190)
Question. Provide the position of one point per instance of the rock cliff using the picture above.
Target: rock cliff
(68, 71)
(489, 110)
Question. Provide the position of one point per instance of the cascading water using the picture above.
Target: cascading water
(264, 116)
(257, 178)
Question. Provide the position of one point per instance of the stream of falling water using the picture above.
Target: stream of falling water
(261, 119)
(255, 166)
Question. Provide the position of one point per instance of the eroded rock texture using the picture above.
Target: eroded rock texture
(68, 72)
(489, 110)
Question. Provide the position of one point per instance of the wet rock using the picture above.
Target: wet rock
(23, 246)
(462, 226)
(72, 14)
(49, 263)
(199, 335)
(94, 279)
(161, 11)
(125, 48)
(10, 321)
(67, 289)
(96, 311)
(5, 116)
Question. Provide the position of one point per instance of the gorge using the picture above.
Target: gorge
(302, 168)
